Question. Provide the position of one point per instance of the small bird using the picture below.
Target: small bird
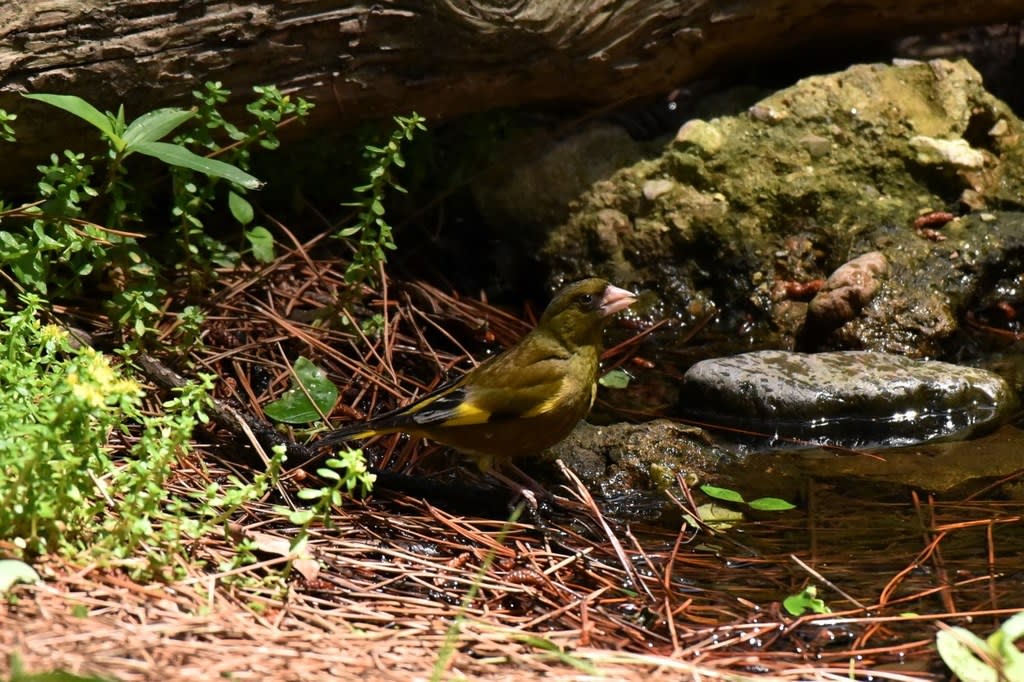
(522, 401)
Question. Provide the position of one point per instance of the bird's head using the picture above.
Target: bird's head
(578, 313)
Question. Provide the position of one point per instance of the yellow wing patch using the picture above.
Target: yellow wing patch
(467, 415)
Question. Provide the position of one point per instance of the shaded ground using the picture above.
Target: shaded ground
(400, 583)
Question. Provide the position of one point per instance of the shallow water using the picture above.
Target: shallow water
(894, 559)
(953, 468)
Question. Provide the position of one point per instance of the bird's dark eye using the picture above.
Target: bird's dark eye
(585, 300)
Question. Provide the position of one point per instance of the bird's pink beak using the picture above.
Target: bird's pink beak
(616, 299)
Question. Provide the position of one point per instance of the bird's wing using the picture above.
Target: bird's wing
(489, 400)
(526, 381)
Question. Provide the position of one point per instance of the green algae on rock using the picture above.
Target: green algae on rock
(851, 399)
(843, 163)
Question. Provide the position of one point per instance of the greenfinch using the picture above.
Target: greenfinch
(522, 401)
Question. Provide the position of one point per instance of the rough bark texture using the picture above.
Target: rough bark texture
(439, 57)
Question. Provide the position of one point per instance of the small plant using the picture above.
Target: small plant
(345, 474)
(760, 504)
(995, 659)
(354, 477)
(310, 398)
(195, 193)
(373, 233)
(805, 601)
(143, 136)
(6, 131)
(82, 232)
(61, 490)
(720, 517)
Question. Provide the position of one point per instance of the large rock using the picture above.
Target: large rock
(852, 399)
(743, 214)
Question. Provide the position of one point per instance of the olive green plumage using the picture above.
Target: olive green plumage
(524, 400)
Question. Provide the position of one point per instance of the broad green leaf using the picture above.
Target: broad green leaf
(83, 110)
(955, 647)
(616, 378)
(155, 125)
(240, 208)
(771, 504)
(1003, 642)
(294, 406)
(721, 493)
(176, 155)
(958, 646)
(13, 571)
(262, 243)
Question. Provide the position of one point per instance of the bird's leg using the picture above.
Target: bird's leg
(523, 480)
(536, 501)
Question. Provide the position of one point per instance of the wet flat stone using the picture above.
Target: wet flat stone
(850, 398)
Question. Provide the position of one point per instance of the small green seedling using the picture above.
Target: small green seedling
(806, 601)
(972, 659)
(760, 504)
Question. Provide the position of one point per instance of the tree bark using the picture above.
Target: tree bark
(442, 58)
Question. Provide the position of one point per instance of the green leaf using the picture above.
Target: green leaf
(798, 604)
(724, 494)
(155, 125)
(1013, 629)
(329, 474)
(83, 110)
(294, 407)
(262, 243)
(240, 208)
(616, 378)
(560, 654)
(176, 155)
(955, 647)
(1003, 643)
(771, 504)
(119, 119)
(13, 571)
(719, 517)
(301, 517)
(958, 648)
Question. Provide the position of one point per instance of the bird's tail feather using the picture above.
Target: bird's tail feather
(353, 432)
